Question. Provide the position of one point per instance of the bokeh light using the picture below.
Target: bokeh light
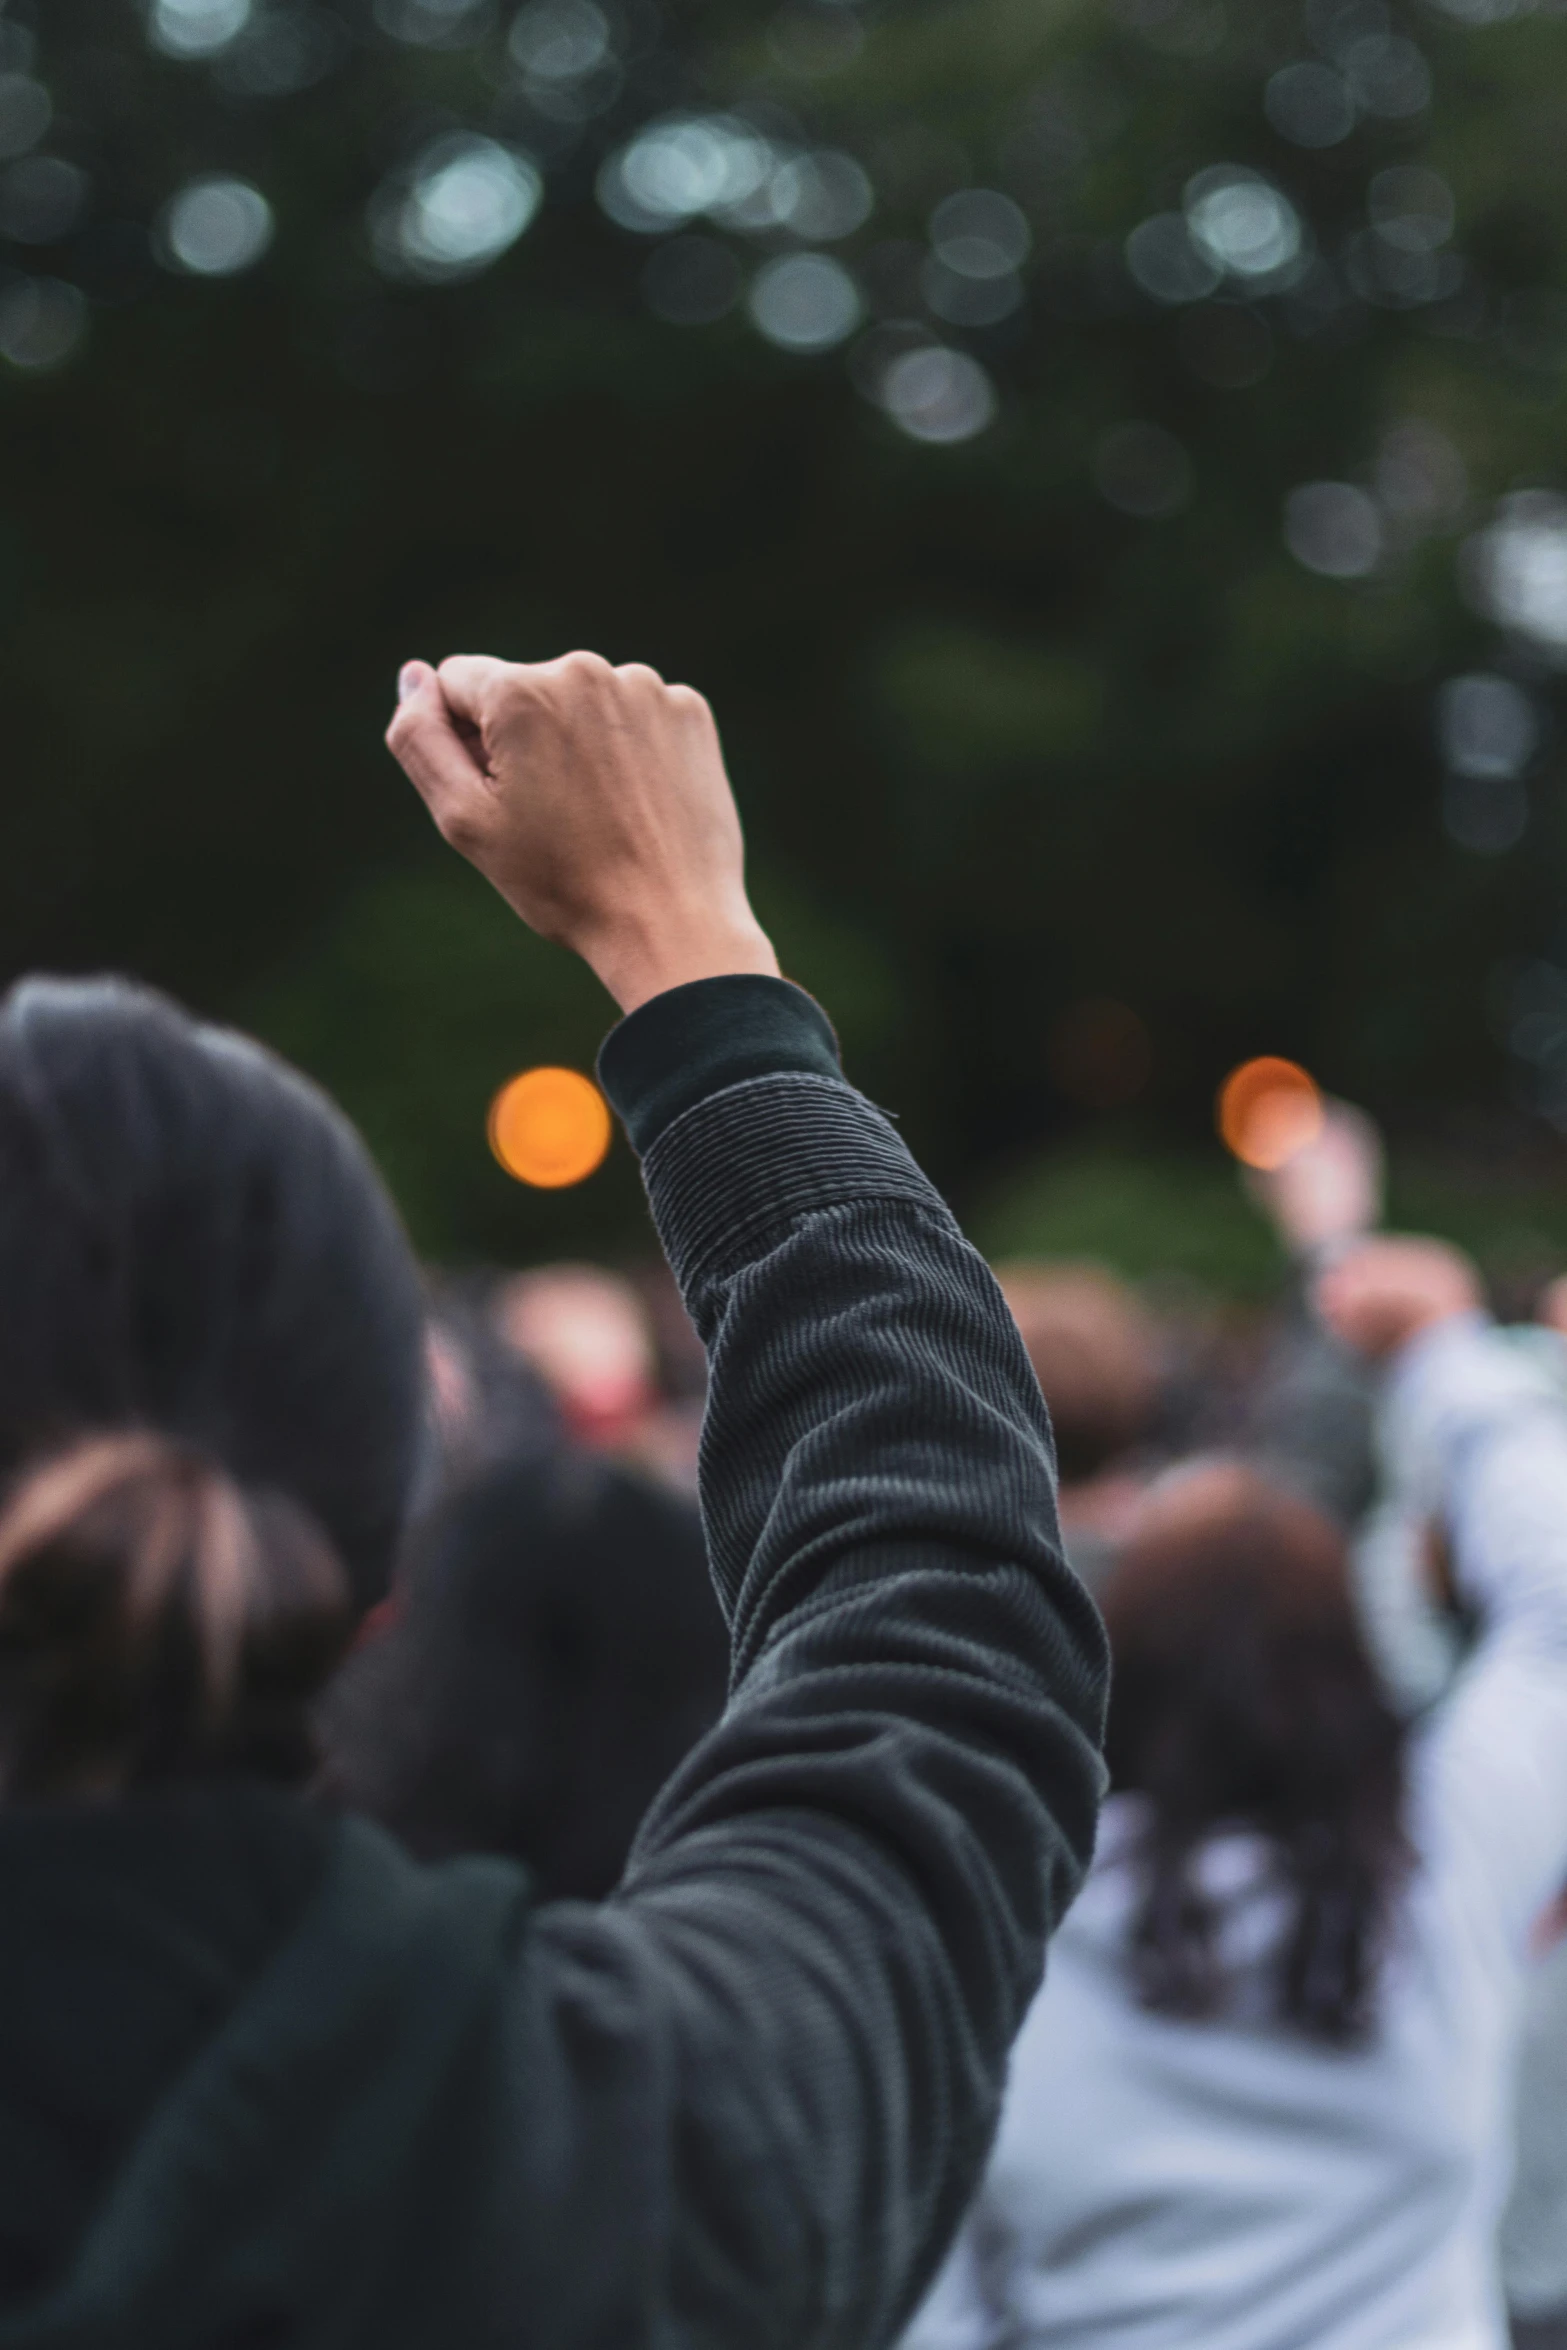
(1487, 815)
(432, 24)
(966, 300)
(195, 28)
(821, 197)
(1516, 569)
(468, 201)
(1387, 74)
(685, 165)
(804, 302)
(1268, 1109)
(1310, 105)
(282, 50)
(1165, 262)
(216, 226)
(550, 1127)
(559, 40)
(722, 167)
(938, 395)
(1487, 725)
(1398, 261)
(42, 320)
(1333, 528)
(1411, 207)
(26, 111)
(980, 233)
(1243, 224)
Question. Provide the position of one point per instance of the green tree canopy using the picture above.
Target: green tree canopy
(1100, 460)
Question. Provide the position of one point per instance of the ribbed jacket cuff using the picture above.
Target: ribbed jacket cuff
(694, 1040)
(752, 1158)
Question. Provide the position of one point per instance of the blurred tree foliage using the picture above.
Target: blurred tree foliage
(1068, 782)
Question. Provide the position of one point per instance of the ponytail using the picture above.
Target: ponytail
(157, 1622)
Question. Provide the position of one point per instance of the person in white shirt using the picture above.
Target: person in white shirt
(1264, 2099)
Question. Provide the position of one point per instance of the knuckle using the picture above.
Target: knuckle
(460, 829)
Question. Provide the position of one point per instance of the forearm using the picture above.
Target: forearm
(1479, 1447)
(1475, 1434)
(860, 1866)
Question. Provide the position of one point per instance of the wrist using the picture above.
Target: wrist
(636, 968)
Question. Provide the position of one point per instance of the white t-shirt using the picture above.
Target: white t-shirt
(1231, 2185)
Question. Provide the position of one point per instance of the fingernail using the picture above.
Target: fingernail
(409, 679)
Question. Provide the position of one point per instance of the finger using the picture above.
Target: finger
(1337, 1294)
(432, 754)
(470, 682)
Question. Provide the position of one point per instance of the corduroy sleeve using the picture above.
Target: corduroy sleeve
(781, 2046)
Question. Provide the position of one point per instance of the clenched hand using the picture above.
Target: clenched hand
(595, 799)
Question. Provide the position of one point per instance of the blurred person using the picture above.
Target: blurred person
(557, 1652)
(487, 1405)
(1311, 1405)
(590, 1336)
(585, 1333)
(596, 1341)
(1534, 2223)
(1095, 1351)
(266, 2078)
(1265, 2097)
(1544, 1334)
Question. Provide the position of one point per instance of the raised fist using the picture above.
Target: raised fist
(595, 799)
(1383, 1292)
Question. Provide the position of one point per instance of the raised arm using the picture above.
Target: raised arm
(782, 2044)
(1474, 1438)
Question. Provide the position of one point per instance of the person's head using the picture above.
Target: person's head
(556, 1650)
(1094, 1348)
(487, 1402)
(587, 1334)
(1243, 1697)
(196, 1252)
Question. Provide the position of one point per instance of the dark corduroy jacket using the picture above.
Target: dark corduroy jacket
(266, 2084)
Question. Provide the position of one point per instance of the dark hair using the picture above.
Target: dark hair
(1243, 1696)
(193, 1240)
(556, 1650)
(156, 1624)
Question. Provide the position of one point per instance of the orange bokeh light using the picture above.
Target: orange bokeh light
(1268, 1110)
(550, 1127)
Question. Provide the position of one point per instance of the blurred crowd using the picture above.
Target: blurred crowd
(552, 1648)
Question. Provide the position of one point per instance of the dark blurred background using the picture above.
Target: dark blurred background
(1102, 461)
